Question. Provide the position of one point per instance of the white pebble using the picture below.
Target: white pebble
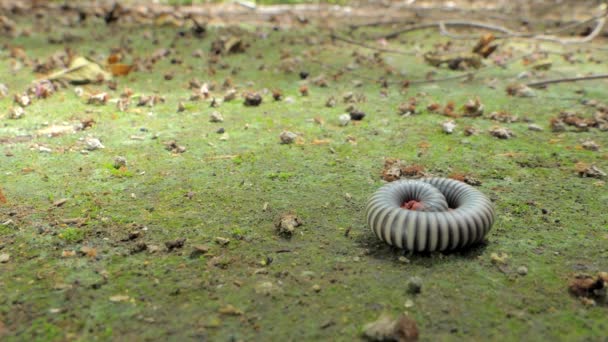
(344, 119)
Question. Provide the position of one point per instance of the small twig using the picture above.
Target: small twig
(567, 79)
(596, 31)
(507, 33)
(353, 42)
(459, 23)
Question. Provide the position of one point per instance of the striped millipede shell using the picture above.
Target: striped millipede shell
(453, 214)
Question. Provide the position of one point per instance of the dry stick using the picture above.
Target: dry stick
(601, 22)
(353, 42)
(460, 23)
(596, 31)
(567, 79)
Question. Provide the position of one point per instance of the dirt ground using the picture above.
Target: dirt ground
(145, 206)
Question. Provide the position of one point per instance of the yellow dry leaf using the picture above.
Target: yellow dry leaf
(81, 71)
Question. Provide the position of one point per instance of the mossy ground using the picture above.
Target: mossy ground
(218, 188)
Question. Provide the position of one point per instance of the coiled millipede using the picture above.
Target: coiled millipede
(429, 214)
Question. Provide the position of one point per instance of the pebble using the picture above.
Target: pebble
(93, 144)
(287, 137)
(16, 112)
(448, 126)
(414, 285)
(522, 270)
(344, 119)
(216, 117)
(119, 162)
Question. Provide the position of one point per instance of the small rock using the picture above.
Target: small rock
(23, 100)
(16, 112)
(402, 329)
(357, 115)
(534, 127)
(119, 298)
(222, 241)
(180, 107)
(520, 90)
(3, 90)
(216, 117)
(252, 99)
(98, 99)
(93, 144)
(501, 132)
(522, 270)
(499, 259)
(220, 130)
(586, 170)
(174, 147)
(287, 137)
(316, 288)
(448, 126)
(590, 145)
(4, 258)
(230, 310)
(175, 244)
(119, 162)
(403, 259)
(473, 108)
(344, 119)
(230, 95)
(414, 285)
(409, 304)
(331, 102)
(287, 224)
(199, 250)
(267, 288)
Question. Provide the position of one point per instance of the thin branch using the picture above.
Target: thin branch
(354, 42)
(459, 23)
(567, 79)
(506, 33)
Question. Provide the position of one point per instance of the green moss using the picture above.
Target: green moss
(72, 235)
(549, 219)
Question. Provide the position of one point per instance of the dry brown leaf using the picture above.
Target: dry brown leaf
(2, 198)
(114, 58)
(120, 69)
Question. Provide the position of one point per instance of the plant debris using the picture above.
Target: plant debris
(589, 170)
(287, 224)
(501, 132)
(593, 289)
(395, 169)
(252, 99)
(175, 244)
(287, 137)
(81, 70)
(385, 328)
